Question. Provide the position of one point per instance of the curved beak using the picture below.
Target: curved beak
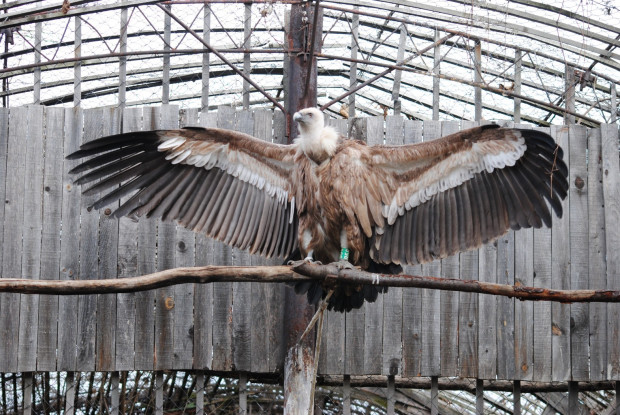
(298, 117)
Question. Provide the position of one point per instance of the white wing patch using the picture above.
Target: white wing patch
(454, 171)
(235, 163)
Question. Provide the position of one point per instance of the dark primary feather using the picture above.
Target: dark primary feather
(483, 208)
(209, 201)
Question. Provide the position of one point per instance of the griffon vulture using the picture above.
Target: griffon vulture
(325, 195)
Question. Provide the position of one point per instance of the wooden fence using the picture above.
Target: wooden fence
(48, 233)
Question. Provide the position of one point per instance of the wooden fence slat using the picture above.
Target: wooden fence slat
(47, 336)
(523, 310)
(165, 299)
(12, 245)
(69, 247)
(449, 301)
(108, 259)
(127, 267)
(185, 256)
(542, 309)
(611, 192)
(468, 308)
(355, 320)
(560, 277)
(487, 314)
(222, 292)
(203, 293)
(89, 254)
(241, 292)
(31, 237)
(431, 300)
(412, 297)
(144, 338)
(596, 255)
(579, 251)
(373, 313)
(393, 299)
(4, 141)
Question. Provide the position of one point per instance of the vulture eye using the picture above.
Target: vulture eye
(310, 114)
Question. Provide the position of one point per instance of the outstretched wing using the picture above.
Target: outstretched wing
(229, 185)
(431, 200)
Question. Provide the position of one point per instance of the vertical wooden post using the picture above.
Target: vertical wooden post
(400, 55)
(299, 358)
(391, 391)
(200, 393)
(346, 395)
(613, 103)
(159, 393)
(247, 33)
(38, 29)
(122, 62)
(434, 395)
(516, 398)
(478, 80)
(573, 398)
(27, 388)
(243, 394)
(355, 22)
(479, 397)
(436, 72)
(77, 67)
(70, 393)
(569, 94)
(517, 86)
(206, 36)
(114, 392)
(165, 77)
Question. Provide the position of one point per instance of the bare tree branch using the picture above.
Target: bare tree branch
(329, 274)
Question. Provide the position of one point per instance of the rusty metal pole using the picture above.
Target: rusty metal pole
(304, 34)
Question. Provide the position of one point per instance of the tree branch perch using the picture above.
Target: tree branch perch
(284, 273)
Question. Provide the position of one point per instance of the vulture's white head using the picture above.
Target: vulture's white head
(315, 139)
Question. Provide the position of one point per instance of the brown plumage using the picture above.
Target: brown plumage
(389, 205)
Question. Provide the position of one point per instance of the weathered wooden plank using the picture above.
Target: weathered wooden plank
(185, 256)
(241, 291)
(4, 139)
(449, 301)
(203, 293)
(542, 310)
(12, 245)
(560, 278)
(596, 257)
(373, 312)
(523, 310)
(127, 267)
(331, 359)
(611, 194)
(89, 254)
(505, 308)
(47, 336)
(393, 299)
(108, 260)
(487, 314)
(222, 292)
(579, 250)
(354, 320)
(431, 299)
(412, 297)
(31, 237)
(69, 247)
(468, 309)
(275, 311)
(165, 302)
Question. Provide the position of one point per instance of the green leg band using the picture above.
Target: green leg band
(344, 254)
